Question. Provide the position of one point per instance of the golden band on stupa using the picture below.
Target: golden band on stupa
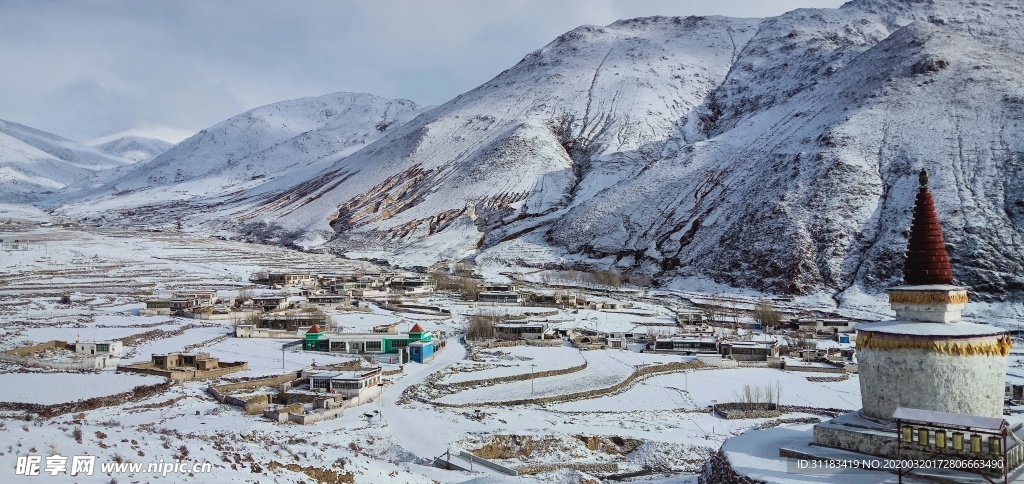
(928, 297)
(984, 345)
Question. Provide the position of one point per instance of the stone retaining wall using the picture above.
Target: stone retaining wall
(30, 350)
(506, 379)
(589, 468)
(262, 382)
(637, 375)
(843, 377)
(53, 410)
(815, 369)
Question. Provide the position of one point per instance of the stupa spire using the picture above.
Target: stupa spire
(927, 261)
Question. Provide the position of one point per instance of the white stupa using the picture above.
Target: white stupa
(927, 358)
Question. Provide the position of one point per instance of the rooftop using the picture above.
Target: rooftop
(918, 328)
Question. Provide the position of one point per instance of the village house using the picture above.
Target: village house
(348, 384)
(294, 320)
(372, 291)
(156, 307)
(202, 297)
(414, 285)
(512, 330)
(185, 304)
(687, 317)
(270, 302)
(329, 301)
(559, 300)
(500, 294)
(749, 350)
(293, 279)
(688, 344)
(620, 339)
(829, 326)
(185, 366)
(99, 348)
(374, 343)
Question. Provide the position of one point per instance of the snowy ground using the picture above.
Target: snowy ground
(663, 421)
(50, 388)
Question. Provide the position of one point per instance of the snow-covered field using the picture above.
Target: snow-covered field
(516, 360)
(604, 369)
(51, 388)
(662, 421)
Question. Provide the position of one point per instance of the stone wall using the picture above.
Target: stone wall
(505, 379)
(588, 468)
(53, 410)
(736, 411)
(637, 375)
(843, 377)
(262, 382)
(31, 350)
(816, 369)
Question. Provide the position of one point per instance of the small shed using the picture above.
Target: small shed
(421, 351)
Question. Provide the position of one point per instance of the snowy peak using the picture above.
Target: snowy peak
(135, 148)
(60, 148)
(140, 143)
(34, 163)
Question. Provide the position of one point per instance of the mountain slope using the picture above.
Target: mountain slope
(135, 148)
(33, 162)
(594, 106)
(778, 154)
(289, 138)
(141, 143)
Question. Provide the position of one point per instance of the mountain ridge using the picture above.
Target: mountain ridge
(776, 154)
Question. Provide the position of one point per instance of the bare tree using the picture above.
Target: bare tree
(766, 314)
(480, 326)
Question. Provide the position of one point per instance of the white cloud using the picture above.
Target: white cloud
(78, 68)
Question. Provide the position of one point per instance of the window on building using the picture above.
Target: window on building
(319, 384)
(373, 346)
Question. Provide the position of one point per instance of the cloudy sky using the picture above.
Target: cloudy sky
(81, 68)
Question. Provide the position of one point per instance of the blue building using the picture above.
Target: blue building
(421, 351)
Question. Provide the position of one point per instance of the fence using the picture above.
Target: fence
(486, 463)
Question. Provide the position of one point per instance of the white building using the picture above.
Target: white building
(99, 348)
(349, 384)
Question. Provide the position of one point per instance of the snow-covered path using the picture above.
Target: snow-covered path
(411, 425)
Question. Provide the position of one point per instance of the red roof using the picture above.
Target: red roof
(314, 329)
(927, 260)
(416, 328)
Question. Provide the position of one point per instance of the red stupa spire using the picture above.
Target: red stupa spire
(927, 260)
(315, 328)
(416, 328)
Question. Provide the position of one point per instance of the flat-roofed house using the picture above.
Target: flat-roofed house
(688, 344)
(512, 330)
(349, 384)
(99, 348)
(750, 350)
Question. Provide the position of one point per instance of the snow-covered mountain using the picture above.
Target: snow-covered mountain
(291, 139)
(139, 143)
(135, 148)
(779, 154)
(33, 162)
